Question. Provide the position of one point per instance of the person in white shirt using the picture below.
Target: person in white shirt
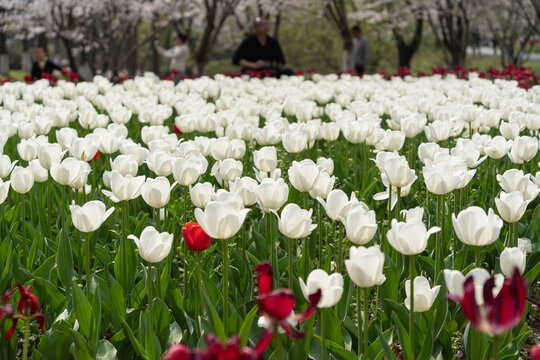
(179, 54)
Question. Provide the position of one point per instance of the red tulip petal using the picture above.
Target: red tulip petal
(507, 308)
(277, 304)
(178, 352)
(40, 318)
(313, 301)
(291, 331)
(468, 303)
(264, 277)
(264, 341)
(535, 352)
(11, 330)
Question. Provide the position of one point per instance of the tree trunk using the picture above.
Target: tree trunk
(276, 26)
(26, 59)
(4, 57)
(70, 55)
(132, 62)
(406, 51)
(155, 55)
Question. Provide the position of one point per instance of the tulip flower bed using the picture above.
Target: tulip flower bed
(234, 218)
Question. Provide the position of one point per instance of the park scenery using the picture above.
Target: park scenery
(264, 210)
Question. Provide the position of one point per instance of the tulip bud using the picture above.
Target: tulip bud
(201, 194)
(512, 258)
(22, 179)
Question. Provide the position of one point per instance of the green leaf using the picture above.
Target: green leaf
(245, 329)
(476, 344)
(403, 336)
(105, 351)
(55, 343)
(217, 325)
(79, 348)
(49, 294)
(386, 340)
(175, 334)
(338, 351)
(83, 311)
(64, 261)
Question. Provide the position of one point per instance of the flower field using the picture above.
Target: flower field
(327, 217)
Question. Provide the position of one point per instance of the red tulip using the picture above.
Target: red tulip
(535, 352)
(195, 237)
(232, 350)
(175, 129)
(27, 306)
(498, 314)
(277, 305)
(96, 156)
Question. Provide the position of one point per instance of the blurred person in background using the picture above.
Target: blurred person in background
(260, 52)
(42, 64)
(361, 52)
(179, 55)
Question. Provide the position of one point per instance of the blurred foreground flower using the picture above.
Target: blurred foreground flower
(500, 312)
(277, 305)
(28, 309)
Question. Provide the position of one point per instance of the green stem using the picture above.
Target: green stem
(123, 242)
(477, 260)
(291, 265)
(88, 259)
(366, 317)
(389, 207)
(439, 238)
(200, 308)
(23, 227)
(495, 348)
(397, 203)
(411, 297)
(323, 333)
(150, 298)
(340, 249)
(360, 321)
(225, 288)
(279, 346)
(319, 233)
(26, 339)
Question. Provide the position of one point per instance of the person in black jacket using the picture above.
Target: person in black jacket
(260, 52)
(42, 64)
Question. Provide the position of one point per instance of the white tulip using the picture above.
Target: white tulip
(512, 258)
(365, 266)
(331, 287)
(424, 295)
(220, 220)
(90, 216)
(153, 245)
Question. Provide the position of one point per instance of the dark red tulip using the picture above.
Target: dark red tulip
(175, 129)
(498, 314)
(215, 350)
(277, 305)
(535, 352)
(28, 309)
(95, 157)
(195, 237)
